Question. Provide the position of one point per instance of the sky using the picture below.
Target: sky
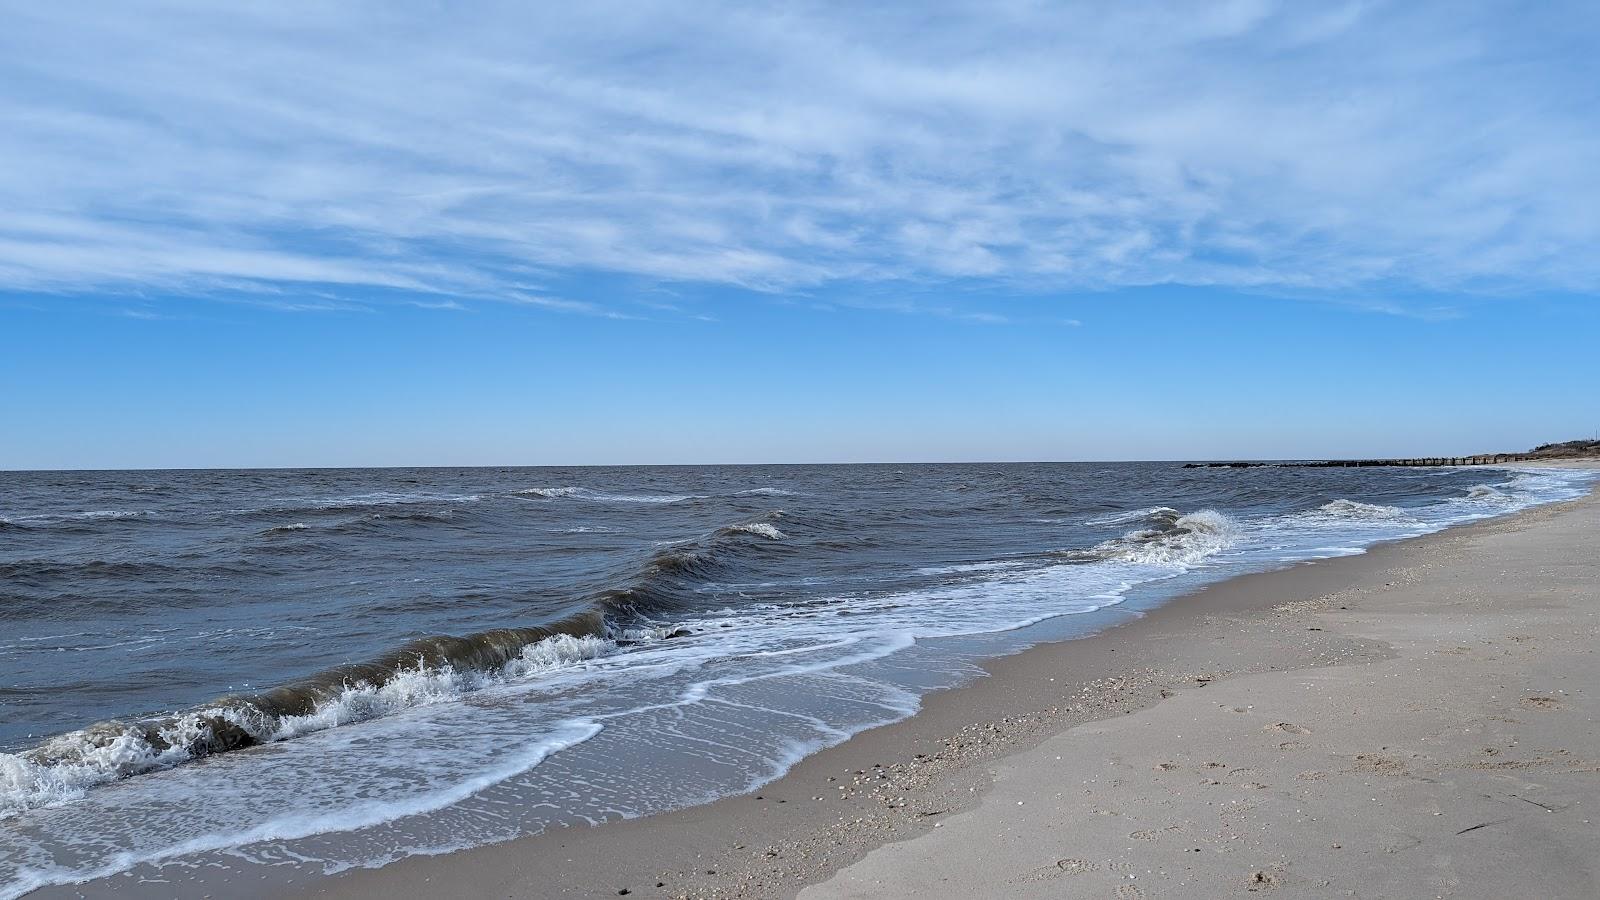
(415, 233)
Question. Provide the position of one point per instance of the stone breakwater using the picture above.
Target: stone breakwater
(1582, 449)
(1482, 460)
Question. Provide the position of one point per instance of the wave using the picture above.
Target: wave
(357, 503)
(71, 520)
(55, 569)
(770, 532)
(1487, 493)
(552, 493)
(62, 768)
(581, 493)
(668, 579)
(764, 492)
(1173, 539)
(402, 515)
(422, 672)
(1355, 510)
(1137, 515)
(996, 565)
(367, 522)
(350, 817)
(108, 514)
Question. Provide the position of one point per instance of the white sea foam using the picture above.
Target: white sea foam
(1356, 510)
(563, 650)
(83, 759)
(1137, 515)
(1345, 515)
(759, 528)
(764, 492)
(357, 501)
(367, 812)
(553, 493)
(1190, 539)
(581, 493)
(93, 515)
(1485, 493)
(65, 766)
(972, 568)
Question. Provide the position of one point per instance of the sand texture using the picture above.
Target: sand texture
(1466, 766)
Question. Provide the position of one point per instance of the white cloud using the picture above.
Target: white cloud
(461, 150)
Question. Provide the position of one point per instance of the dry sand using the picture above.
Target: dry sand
(1419, 721)
(1466, 766)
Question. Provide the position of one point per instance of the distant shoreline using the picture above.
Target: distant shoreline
(1549, 453)
(1508, 458)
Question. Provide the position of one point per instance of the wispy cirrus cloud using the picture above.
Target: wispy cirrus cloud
(455, 152)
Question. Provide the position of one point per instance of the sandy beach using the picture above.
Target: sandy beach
(1412, 722)
(712, 451)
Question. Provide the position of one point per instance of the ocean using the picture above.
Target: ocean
(322, 669)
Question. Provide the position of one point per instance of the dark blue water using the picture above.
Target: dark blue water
(419, 659)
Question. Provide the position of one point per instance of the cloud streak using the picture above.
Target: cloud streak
(464, 152)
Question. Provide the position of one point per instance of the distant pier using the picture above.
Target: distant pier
(1489, 459)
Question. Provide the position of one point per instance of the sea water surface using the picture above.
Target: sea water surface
(335, 668)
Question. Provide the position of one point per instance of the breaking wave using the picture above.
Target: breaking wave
(1357, 511)
(770, 532)
(422, 672)
(1486, 493)
(1138, 515)
(62, 768)
(1171, 539)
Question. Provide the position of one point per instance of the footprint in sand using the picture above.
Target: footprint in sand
(1375, 764)
(1287, 727)
(1128, 892)
(1542, 703)
(1076, 866)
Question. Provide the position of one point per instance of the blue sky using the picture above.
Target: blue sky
(405, 233)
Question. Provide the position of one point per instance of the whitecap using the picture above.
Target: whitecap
(580, 493)
(769, 532)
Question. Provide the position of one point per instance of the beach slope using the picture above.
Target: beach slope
(1466, 764)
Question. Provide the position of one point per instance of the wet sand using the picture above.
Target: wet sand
(1417, 721)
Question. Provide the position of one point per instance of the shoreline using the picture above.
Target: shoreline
(1460, 763)
(901, 781)
(906, 780)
